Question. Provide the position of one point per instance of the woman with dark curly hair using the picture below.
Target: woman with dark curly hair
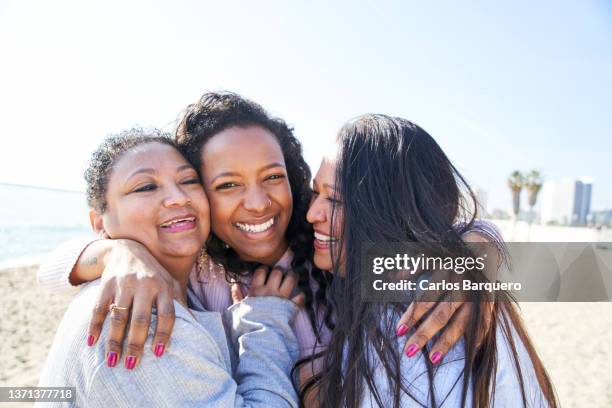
(257, 182)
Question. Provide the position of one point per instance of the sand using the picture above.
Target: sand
(574, 339)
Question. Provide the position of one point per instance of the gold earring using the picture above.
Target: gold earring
(202, 261)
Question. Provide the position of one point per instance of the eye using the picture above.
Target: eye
(226, 186)
(145, 188)
(334, 201)
(191, 181)
(275, 177)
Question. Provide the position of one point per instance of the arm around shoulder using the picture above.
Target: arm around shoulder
(55, 272)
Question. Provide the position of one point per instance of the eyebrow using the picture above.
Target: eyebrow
(233, 173)
(325, 185)
(149, 170)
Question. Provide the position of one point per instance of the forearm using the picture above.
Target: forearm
(81, 260)
(90, 264)
(54, 273)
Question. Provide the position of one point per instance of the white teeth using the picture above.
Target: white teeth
(322, 237)
(256, 227)
(169, 223)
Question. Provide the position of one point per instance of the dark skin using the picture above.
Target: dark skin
(245, 179)
(246, 184)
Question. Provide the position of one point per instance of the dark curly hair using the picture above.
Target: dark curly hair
(110, 150)
(217, 111)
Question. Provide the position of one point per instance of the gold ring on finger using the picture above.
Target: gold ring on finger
(113, 307)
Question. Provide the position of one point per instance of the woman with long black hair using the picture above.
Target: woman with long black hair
(390, 182)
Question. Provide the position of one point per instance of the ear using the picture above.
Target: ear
(97, 222)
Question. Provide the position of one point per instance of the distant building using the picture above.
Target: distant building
(482, 197)
(566, 202)
(601, 218)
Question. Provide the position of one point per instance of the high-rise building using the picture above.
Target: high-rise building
(566, 202)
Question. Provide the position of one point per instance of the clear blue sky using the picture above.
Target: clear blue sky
(501, 85)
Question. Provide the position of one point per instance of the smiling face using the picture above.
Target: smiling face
(326, 199)
(154, 197)
(245, 178)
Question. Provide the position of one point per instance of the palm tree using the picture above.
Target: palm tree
(533, 184)
(515, 182)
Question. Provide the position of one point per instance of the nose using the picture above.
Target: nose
(176, 197)
(256, 201)
(317, 212)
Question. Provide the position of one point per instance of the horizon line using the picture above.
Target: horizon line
(63, 190)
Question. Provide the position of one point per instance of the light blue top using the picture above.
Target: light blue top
(448, 378)
(195, 370)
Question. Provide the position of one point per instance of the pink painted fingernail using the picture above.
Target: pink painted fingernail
(159, 349)
(436, 357)
(412, 349)
(130, 362)
(401, 330)
(90, 340)
(111, 360)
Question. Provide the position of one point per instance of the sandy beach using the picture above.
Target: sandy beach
(573, 339)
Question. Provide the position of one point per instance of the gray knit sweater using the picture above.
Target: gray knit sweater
(249, 366)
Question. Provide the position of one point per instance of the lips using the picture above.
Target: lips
(322, 241)
(323, 238)
(255, 228)
(179, 224)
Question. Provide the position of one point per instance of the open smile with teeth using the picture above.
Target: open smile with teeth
(264, 226)
(324, 238)
(177, 221)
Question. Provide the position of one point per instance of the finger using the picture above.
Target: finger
(140, 321)
(299, 299)
(105, 298)
(275, 278)
(451, 334)
(438, 318)
(259, 276)
(118, 323)
(165, 323)
(288, 284)
(413, 314)
(236, 293)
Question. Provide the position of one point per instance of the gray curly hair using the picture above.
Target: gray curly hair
(110, 150)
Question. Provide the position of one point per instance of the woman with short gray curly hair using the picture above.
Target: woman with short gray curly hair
(140, 187)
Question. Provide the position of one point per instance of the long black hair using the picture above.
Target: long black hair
(397, 185)
(218, 111)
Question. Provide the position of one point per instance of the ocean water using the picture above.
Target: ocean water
(33, 221)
